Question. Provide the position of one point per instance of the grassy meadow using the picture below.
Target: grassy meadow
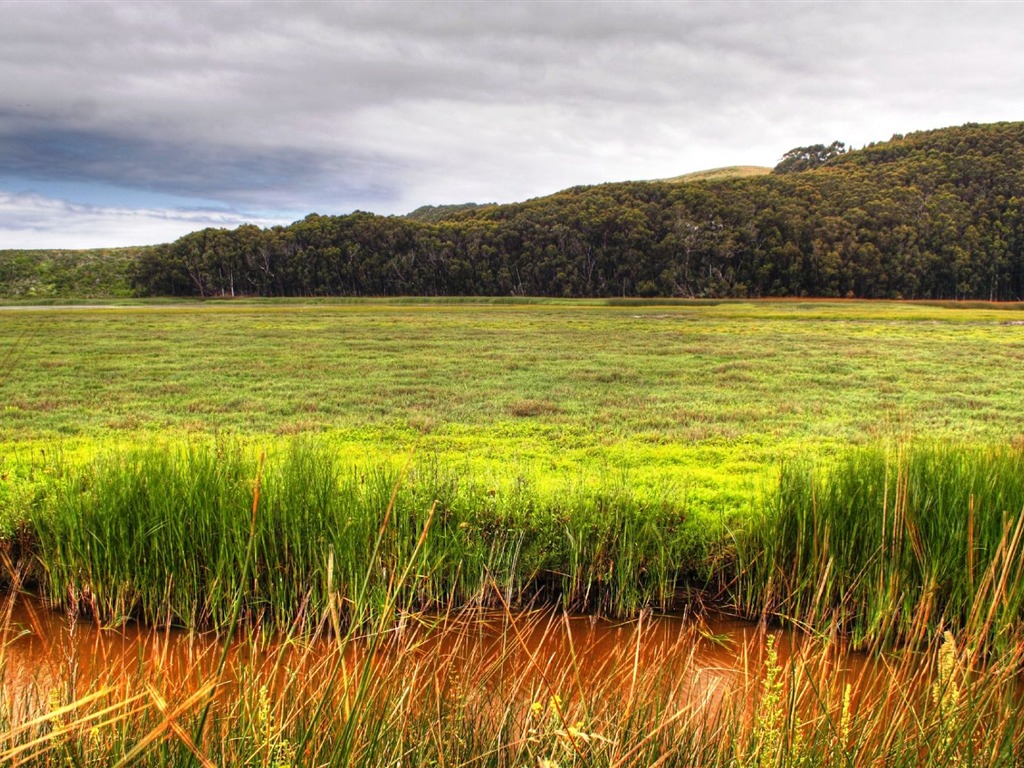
(855, 469)
(709, 396)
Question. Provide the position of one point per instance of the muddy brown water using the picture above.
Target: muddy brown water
(697, 660)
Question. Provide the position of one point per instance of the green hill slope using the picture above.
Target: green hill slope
(35, 275)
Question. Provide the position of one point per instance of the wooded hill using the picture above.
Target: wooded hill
(102, 273)
(930, 215)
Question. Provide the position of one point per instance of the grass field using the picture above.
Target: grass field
(710, 396)
(852, 467)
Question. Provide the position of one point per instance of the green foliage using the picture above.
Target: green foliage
(930, 215)
(161, 534)
(93, 274)
(808, 158)
(889, 545)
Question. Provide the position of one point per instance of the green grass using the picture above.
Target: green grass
(568, 408)
(160, 535)
(876, 543)
(886, 542)
(703, 396)
(643, 374)
(600, 456)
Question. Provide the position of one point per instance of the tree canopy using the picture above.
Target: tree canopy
(808, 158)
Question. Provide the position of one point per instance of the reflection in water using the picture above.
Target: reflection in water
(699, 661)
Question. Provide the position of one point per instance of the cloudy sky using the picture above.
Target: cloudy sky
(129, 123)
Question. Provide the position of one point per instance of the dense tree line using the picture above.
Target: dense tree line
(936, 214)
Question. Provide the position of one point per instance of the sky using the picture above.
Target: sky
(125, 123)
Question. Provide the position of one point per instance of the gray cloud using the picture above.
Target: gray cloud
(279, 176)
(385, 106)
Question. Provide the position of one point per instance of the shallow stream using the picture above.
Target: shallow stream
(700, 661)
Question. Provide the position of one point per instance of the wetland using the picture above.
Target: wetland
(369, 533)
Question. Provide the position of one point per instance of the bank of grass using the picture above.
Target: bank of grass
(642, 407)
(876, 543)
(883, 542)
(159, 534)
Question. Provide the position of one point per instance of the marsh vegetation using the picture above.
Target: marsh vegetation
(331, 505)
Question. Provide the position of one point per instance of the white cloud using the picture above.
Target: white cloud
(34, 221)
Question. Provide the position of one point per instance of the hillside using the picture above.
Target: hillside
(433, 214)
(68, 274)
(930, 215)
(718, 174)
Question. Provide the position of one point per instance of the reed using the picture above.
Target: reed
(160, 534)
(888, 544)
(892, 543)
(360, 676)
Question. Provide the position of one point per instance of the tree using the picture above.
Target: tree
(806, 158)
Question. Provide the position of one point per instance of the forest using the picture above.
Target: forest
(929, 215)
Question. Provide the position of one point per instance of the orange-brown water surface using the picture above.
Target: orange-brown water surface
(699, 661)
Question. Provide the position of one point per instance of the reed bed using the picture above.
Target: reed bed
(892, 544)
(889, 545)
(160, 534)
(363, 597)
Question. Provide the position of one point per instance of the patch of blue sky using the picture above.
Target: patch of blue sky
(106, 195)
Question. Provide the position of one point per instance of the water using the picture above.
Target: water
(699, 662)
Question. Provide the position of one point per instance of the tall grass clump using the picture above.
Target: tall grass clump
(161, 533)
(892, 543)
